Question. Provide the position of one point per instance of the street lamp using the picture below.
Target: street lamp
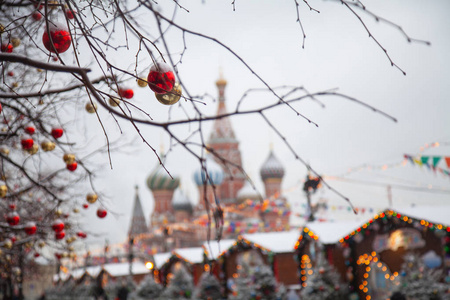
(310, 187)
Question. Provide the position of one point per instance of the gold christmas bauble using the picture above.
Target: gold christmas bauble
(4, 150)
(2, 28)
(41, 244)
(76, 210)
(3, 190)
(8, 244)
(15, 84)
(15, 42)
(58, 212)
(114, 102)
(69, 158)
(48, 146)
(72, 255)
(33, 150)
(141, 82)
(91, 108)
(52, 4)
(39, 70)
(65, 254)
(171, 97)
(69, 240)
(91, 198)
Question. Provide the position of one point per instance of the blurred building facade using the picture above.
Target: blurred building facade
(228, 203)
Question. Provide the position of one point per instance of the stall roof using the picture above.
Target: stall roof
(193, 255)
(331, 232)
(277, 242)
(123, 269)
(161, 259)
(439, 214)
(214, 248)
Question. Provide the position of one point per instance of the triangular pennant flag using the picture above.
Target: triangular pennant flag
(436, 160)
(408, 157)
(447, 160)
(418, 161)
(424, 159)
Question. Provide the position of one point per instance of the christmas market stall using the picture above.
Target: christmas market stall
(191, 259)
(403, 250)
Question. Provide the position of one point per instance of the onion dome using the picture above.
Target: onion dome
(215, 173)
(272, 168)
(181, 202)
(247, 192)
(160, 180)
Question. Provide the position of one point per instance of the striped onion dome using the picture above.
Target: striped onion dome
(247, 192)
(215, 173)
(181, 202)
(159, 180)
(272, 168)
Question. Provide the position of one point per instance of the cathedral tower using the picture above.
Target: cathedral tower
(138, 224)
(225, 144)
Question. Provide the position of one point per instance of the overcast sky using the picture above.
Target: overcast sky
(338, 54)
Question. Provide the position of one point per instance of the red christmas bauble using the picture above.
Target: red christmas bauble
(11, 73)
(60, 235)
(58, 226)
(30, 228)
(126, 93)
(57, 132)
(27, 143)
(70, 14)
(12, 206)
(30, 130)
(60, 37)
(72, 167)
(58, 256)
(13, 218)
(85, 206)
(81, 234)
(37, 16)
(161, 78)
(101, 213)
(37, 254)
(13, 238)
(1, 108)
(321, 288)
(7, 47)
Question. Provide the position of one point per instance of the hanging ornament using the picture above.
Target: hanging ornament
(34, 149)
(101, 213)
(114, 102)
(2, 28)
(160, 78)
(58, 225)
(30, 228)
(91, 198)
(15, 42)
(36, 255)
(171, 97)
(126, 93)
(13, 218)
(76, 210)
(72, 167)
(48, 145)
(60, 235)
(70, 14)
(81, 234)
(85, 205)
(60, 38)
(27, 142)
(57, 132)
(58, 255)
(7, 47)
(12, 206)
(30, 130)
(91, 108)
(10, 74)
(58, 212)
(4, 150)
(8, 244)
(37, 16)
(41, 244)
(69, 158)
(141, 82)
(3, 191)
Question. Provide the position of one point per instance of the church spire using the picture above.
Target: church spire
(138, 224)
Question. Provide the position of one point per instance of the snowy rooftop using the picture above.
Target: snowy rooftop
(215, 248)
(192, 255)
(278, 242)
(161, 258)
(123, 269)
(433, 213)
(332, 232)
(93, 271)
